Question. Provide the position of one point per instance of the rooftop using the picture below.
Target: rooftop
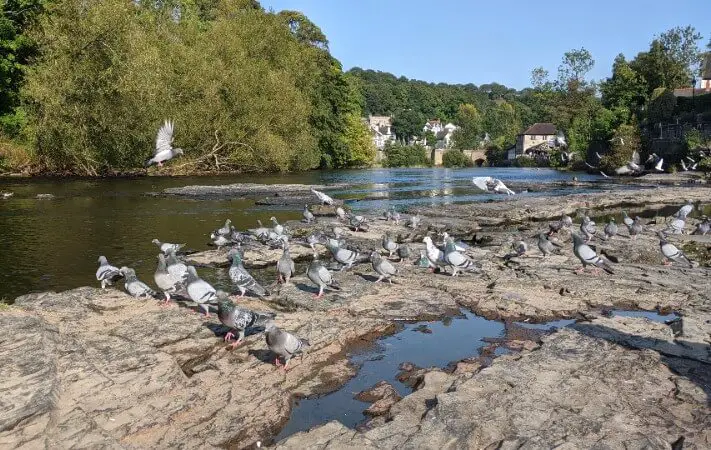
(541, 128)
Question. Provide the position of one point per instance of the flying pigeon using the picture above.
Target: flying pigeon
(241, 278)
(685, 210)
(283, 343)
(106, 273)
(632, 166)
(683, 166)
(389, 245)
(456, 260)
(671, 252)
(587, 256)
(135, 287)
(308, 215)
(199, 290)
(658, 166)
(636, 228)
(546, 246)
(382, 267)
(703, 228)
(342, 255)
(610, 229)
(321, 276)
(6, 195)
(239, 319)
(434, 255)
(285, 266)
(167, 247)
(323, 198)
(604, 174)
(164, 146)
(167, 282)
(489, 184)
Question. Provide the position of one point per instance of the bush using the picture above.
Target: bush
(526, 161)
(455, 158)
(705, 165)
(398, 155)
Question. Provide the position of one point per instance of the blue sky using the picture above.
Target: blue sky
(461, 41)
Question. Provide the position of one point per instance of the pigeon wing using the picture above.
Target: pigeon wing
(164, 139)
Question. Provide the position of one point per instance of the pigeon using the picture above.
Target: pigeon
(396, 217)
(167, 282)
(658, 166)
(135, 287)
(167, 247)
(241, 278)
(313, 239)
(565, 222)
(520, 248)
(610, 229)
(388, 215)
(632, 166)
(106, 273)
(342, 255)
(457, 260)
(671, 252)
(6, 195)
(389, 245)
(435, 255)
(458, 245)
(636, 228)
(175, 267)
(323, 198)
(403, 251)
(277, 228)
(283, 344)
(683, 166)
(341, 214)
(703, 228)
(239, 319)
(414, 222)
(685, 210)
(356, 222)
(588, 228)
(604, 175)
(164, 146)
(321, 276)
(627, 220)
(587, 256)
(676, 226)
(424, 261)
(489, 184)
(220, 241)
(225, 229)
(199, 290)
(308, 215)
(338, 232)
(285, 266)
(382, 267)
(260, 232)
(546, 246)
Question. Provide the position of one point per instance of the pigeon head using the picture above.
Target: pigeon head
(662, 238)
(269, 326)
(192, 273)
(178, 151)
(156, 241)
(542, 237)
(374, 255)
(427, 240)
(273, 219)
(612, 219)
(127, 272)
(103, 260)
(577, 240)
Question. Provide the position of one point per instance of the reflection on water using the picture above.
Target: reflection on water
(54, 244)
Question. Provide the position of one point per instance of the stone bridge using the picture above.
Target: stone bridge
(478, 156)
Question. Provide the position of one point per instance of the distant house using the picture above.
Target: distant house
(537, 139)
(381, 129)
(443, 133)
(704, 87)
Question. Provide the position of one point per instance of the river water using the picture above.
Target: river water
(54, 244)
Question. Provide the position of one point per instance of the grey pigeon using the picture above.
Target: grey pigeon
(106, 273)
(456, 260)
(545, 245)
(588, 228)
(627, 220)
(389, 245)
(241, 278)
(226, 229)
(396, 217)
(321, 276)
(135, 287)
(164, 145)
(342, 255)
(703, 228)
(341, 213)
(283, 344)
(403, 251)
(671, 252)
(167, 282)
(199, 290)
(175, 267)
(676, 226)
(239, 319)
(435, 255)
(356, 222)
(285, 266)
(167, 247)
(458, 245)
(323, 198)
(610, 229)
(685, 210)
(414, 222)
(388, 215)
(636, 228)
(424, 261)
(587, 255)
(259, 232)
(313, 239)
(382, 267)
(219, 240)
(520, 248)
(308, 215)
(278, 229)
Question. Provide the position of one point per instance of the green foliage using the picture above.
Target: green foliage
(495, 155)
(661, 106)
(455, 158)
(398, 155)
(625, 89)
(525, 161)
(705, 165)
(693, 139)
(503, 124)
(469, 134)
(408, 124)
(575, 65)
(358, 141)
(625, 141)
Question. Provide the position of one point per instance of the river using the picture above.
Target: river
(53, 244)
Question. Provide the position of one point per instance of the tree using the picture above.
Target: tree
(455, 158)
(682, 46)
(502, 123)
(408, 123)
(625, 89)
(575, 65)
(469, 133)
(358, 141)
(539, 78)
(661, 105)
(625, 141)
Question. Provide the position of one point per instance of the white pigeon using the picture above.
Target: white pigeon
(658, 167)
(323, 198)
(490, 184)
(631, 167)
(164, 145)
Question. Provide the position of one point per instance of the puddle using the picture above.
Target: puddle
(651, 315)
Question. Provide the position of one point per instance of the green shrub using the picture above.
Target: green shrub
(398, 155)
(455, 158)
(705, 165)
(525, 161)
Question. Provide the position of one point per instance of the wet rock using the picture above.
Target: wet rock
(382, 396)
(468, 366)
(423, 329)
(249, 189)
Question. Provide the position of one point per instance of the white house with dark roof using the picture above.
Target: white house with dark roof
(443, 133)
(381, 130)
(539, 136)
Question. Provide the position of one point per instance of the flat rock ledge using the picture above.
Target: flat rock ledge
(93, 368)
(250, 190)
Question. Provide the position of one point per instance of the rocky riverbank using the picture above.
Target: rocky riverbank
(92, 368)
